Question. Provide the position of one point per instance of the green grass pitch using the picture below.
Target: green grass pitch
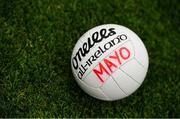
(36, 41)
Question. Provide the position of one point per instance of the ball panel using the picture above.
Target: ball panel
(139, 47)
(94, 92)
(127, 84)
(140, 50)
(134, 70)
(112, 90)
(92, 80)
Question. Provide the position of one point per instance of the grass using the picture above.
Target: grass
(36, 41)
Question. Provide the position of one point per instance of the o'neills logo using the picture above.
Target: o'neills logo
(96, 37)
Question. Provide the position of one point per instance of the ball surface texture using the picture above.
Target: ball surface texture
(109, 62)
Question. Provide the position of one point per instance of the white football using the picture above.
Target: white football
(109, 62)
